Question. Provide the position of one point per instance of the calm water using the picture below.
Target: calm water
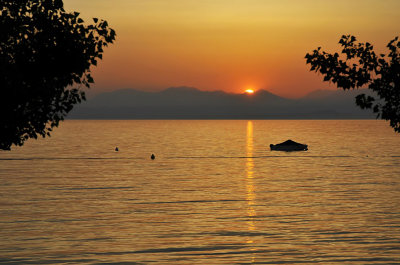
(215, 194)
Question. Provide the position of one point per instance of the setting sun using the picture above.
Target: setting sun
(249, 91)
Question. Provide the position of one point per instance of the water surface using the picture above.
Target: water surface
(215, 194)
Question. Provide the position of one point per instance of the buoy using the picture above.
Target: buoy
(152, 157)
(116, 149)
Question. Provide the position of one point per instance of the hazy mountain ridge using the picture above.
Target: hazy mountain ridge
(191, 103)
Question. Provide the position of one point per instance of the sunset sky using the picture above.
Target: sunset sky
(229, 45)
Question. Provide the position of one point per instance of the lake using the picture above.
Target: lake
(215, 194)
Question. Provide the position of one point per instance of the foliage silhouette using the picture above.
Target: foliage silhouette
(44, 52)
(360, 66)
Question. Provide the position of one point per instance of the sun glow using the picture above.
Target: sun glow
(249, 91)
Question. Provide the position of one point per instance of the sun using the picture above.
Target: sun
(249, 91)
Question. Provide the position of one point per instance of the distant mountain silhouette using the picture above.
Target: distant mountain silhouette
(191, 103)
(319, 94)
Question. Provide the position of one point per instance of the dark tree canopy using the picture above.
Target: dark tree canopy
(359, 66)
(45, 59)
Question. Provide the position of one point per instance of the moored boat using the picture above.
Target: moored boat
(288, 146)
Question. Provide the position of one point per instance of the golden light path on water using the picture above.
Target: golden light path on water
(251, 196)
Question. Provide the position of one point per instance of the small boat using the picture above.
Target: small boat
(288, 146)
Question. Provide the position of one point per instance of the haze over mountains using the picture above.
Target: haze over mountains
(191, 103)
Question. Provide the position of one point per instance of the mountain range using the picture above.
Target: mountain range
(191, 103)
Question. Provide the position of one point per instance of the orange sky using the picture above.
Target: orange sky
(229, 45)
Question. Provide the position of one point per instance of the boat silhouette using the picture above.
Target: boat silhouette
(288, 146)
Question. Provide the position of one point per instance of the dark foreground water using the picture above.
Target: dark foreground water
(215, 194)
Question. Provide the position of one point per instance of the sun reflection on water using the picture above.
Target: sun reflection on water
(250, 192)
